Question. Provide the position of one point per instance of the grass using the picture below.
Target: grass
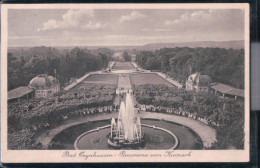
(123, 66)
(108, 79)
(142, 79)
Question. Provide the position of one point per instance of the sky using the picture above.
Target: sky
(121, 27)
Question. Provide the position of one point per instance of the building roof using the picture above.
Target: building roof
(237, 92)
(200, 79)
(226, 89)
(19, 92)
(203, 79)
(43, 81)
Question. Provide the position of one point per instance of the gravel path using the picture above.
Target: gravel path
(45, 138)
(207, 134)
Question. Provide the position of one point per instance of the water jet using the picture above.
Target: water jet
(127, 131)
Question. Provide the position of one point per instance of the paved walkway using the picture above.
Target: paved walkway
(169, 79)
(134, 64)
(75, 83)
(111, 64)
(207, 134)
(139, 68)
(124, 82)
(45, 138)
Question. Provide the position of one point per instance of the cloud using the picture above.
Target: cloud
(71, 19)
(133, 16)
(201, 15)
(197, 16)
(94, 26)
(74, 17)
(123, 27)
(156, 30)
(226, 21)
(209, 24)
(50, 24)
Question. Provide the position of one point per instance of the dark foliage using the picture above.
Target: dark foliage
(67, 64)
(126, 57)
(26, 118)
(227, 113)
(222, 65)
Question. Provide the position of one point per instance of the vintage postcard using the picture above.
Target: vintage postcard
(125, 83)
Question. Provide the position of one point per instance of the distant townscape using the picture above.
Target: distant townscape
(200, 86)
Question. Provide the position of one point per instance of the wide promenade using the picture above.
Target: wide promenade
(206, 133)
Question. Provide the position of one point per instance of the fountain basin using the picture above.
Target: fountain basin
(85, 139)
(125, 144)
(155, 139)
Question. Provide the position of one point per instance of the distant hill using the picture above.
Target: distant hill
(29, 52)
(239, 44)
(204, 44)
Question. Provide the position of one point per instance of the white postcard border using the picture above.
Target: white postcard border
(56, 156)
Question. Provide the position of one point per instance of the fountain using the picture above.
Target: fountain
(127, 131)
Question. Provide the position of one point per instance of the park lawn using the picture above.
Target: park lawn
(109, 79)
(123, 66)
(148, 78)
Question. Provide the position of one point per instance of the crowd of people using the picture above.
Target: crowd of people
(22, 140)
(27, 118)
(224, 114)
(180, 112)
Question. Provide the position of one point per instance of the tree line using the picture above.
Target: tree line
(227, 113)
(222, 65)
(64, 64)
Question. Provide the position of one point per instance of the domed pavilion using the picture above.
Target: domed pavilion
(198, 82)
(44, 86)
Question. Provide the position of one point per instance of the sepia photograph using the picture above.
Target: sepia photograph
(125, 82)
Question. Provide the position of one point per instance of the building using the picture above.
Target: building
(123, 90)
(44, 86)
(227, 91)
(198, 82)
(20, 93)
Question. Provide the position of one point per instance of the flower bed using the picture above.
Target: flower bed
(148, 78)
(123, 66)
(109, 79)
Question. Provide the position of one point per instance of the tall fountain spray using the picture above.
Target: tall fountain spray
(127, 131)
